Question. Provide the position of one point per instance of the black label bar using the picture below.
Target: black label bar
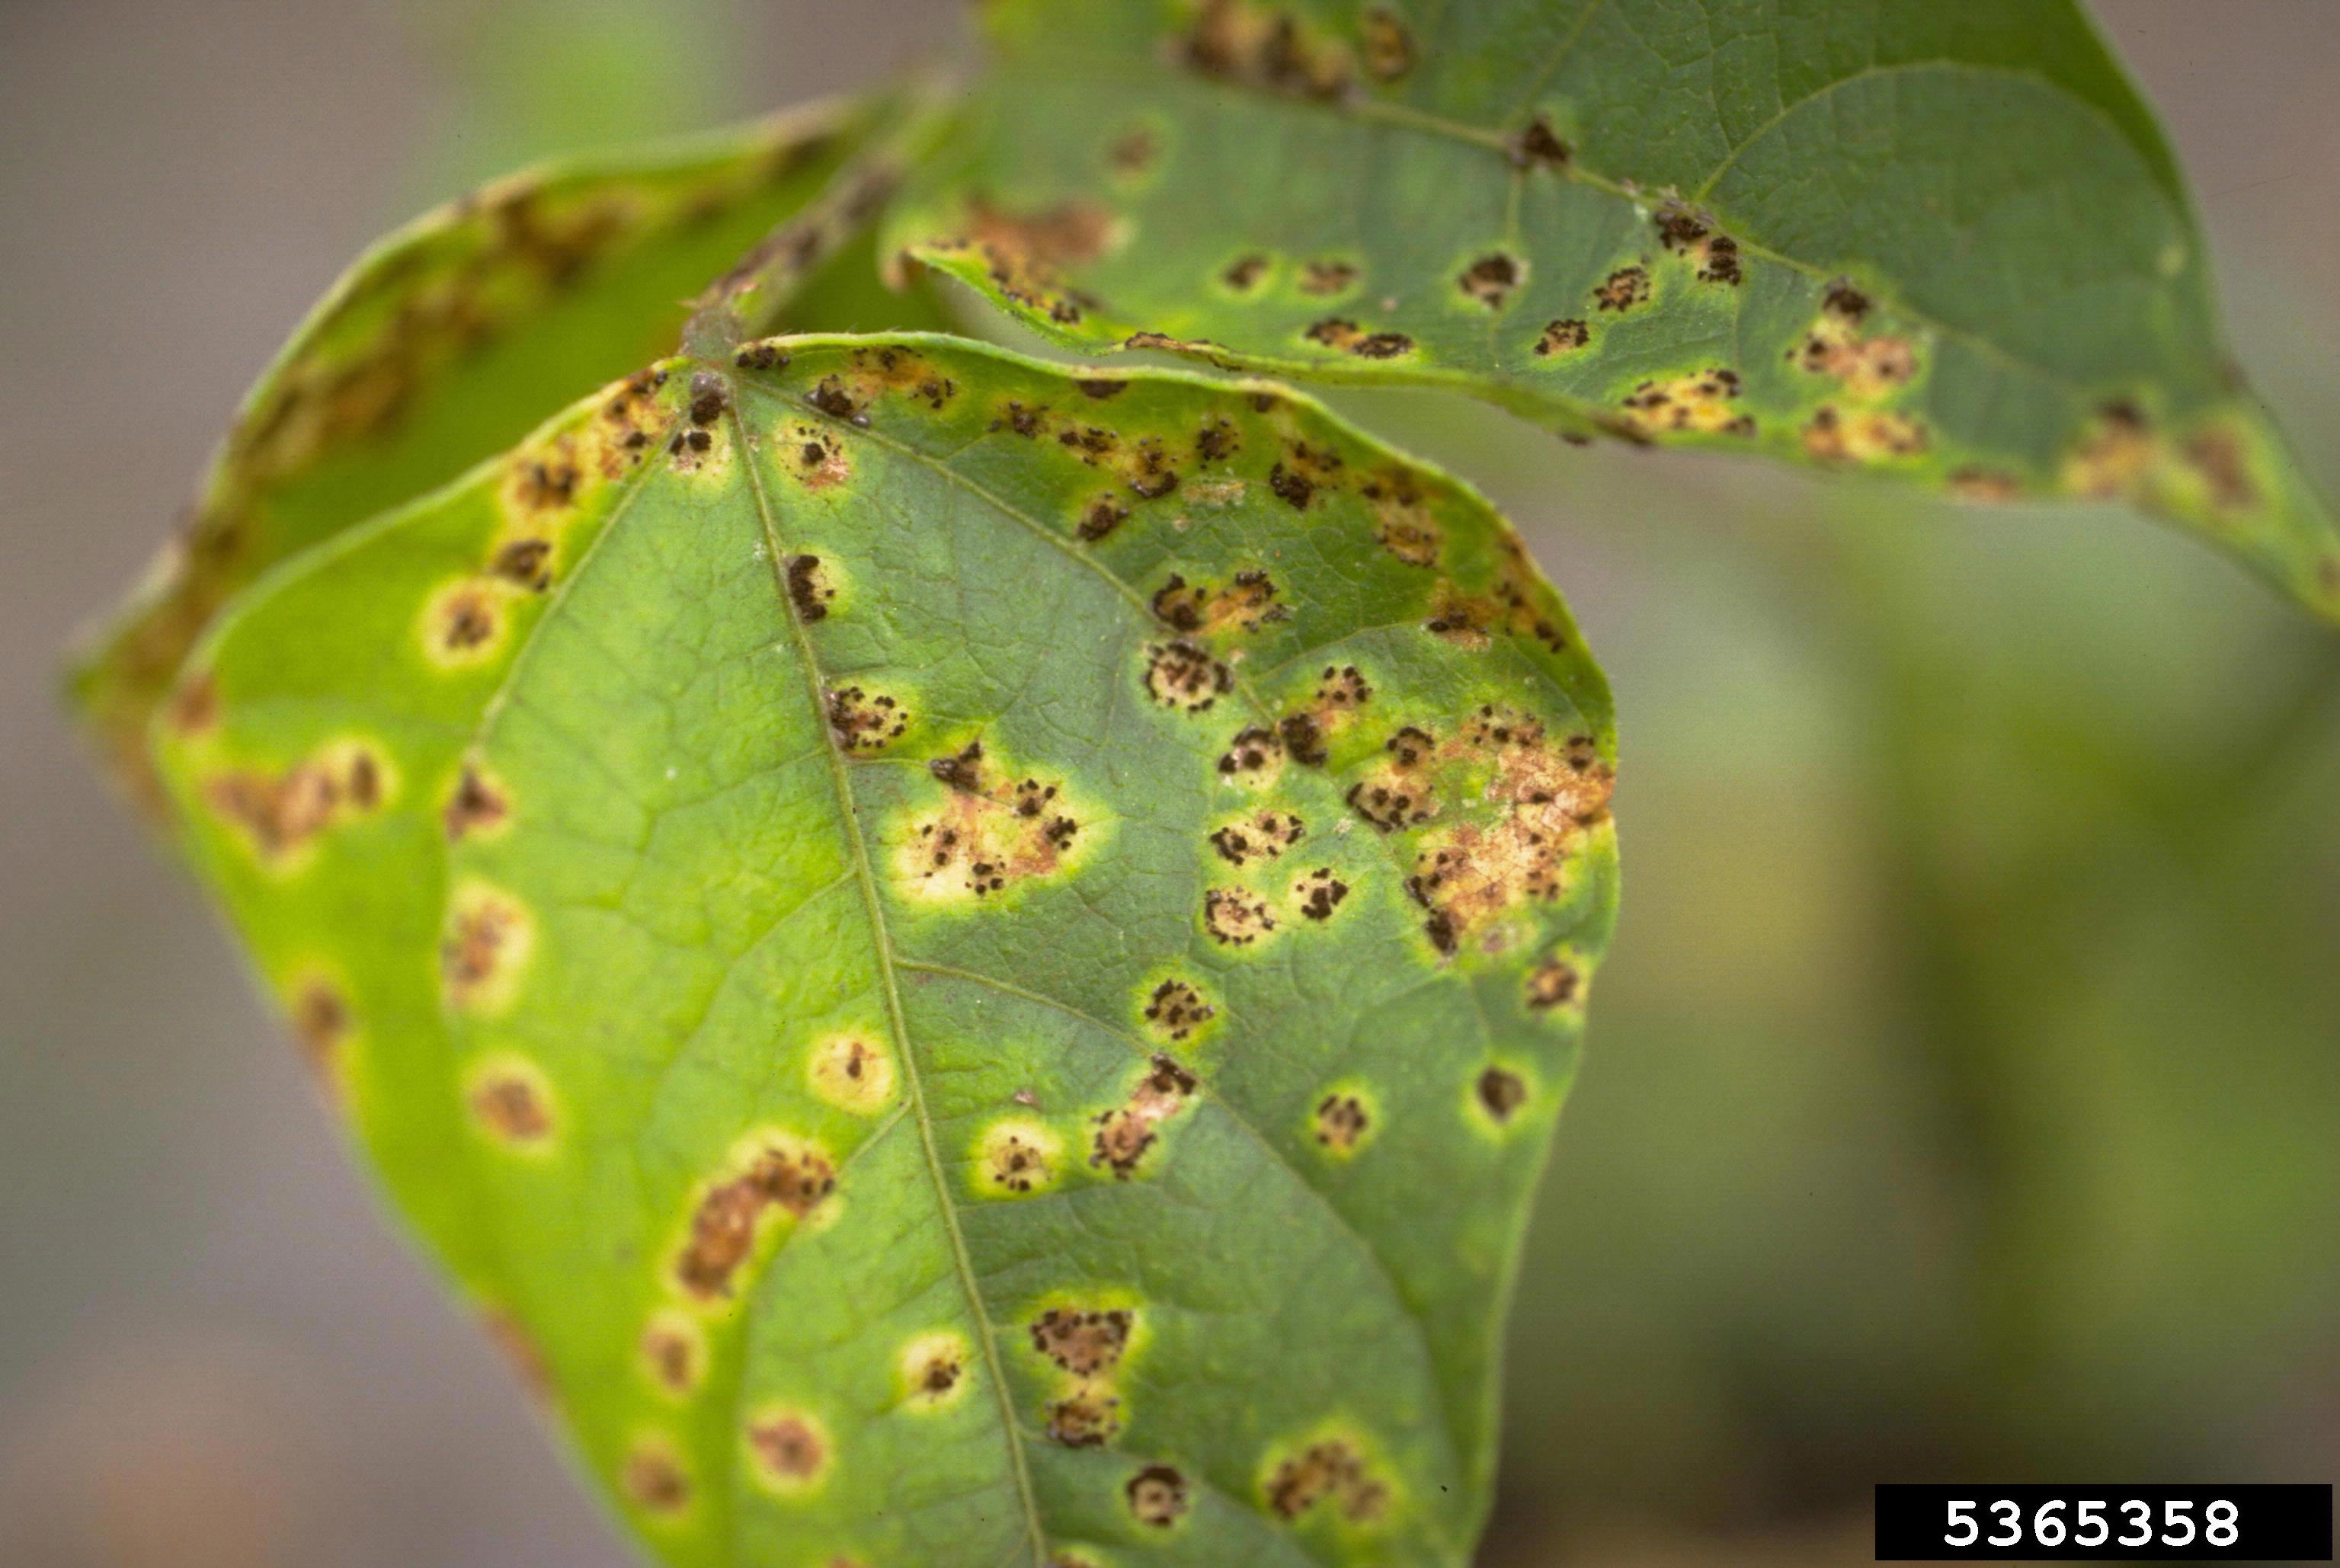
(2257, 1523)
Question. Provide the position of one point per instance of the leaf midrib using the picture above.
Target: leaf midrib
(882, 941)
(1262, 711)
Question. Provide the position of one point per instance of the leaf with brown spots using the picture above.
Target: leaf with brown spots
(1558, 206)
(741, 953)
(451, 338)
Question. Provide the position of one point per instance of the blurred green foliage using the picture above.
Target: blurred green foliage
(531, 79)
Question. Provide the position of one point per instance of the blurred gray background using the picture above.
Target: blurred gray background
(1963, 1101)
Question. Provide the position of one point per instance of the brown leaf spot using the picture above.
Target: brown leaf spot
(1865, 436)
(1245, 604)
(1341, 1120)
(1341, 690)
(852, 1072)
(1319, 893)
(674, 1354)
(710, 394)
(1177, 1009)
(1235, 918)
(621, 437)
(1147, 471)
(1502, 1094)
(993, 830)
(1157, 1495)
(1563, 337)
(1403, 523)
(891, 369)
(1695, 404)
(1537, 143)
(1327, 1472)
(829, 396)
(933, 1368)
(1026, 252)
(1104, 515)
(1622, 290)
(808, 587)
(477, 806)
(1244, 273)
(652, 1478)
(462, 623)
(1019, 1158)
(1085, 1418)
(2217, 456)
(1866, 366)
(1335, 332)
(2115, 456)
(1545, 794)
(1255, 755)
(1554, 983)
(488, 936)
(1326, 276)
(1084, 1344)
(1164, 343)
(791, 1177)
(524, 563)
(1183, 676)
(321, 1020)
(1133, 153)
(1216, 440)
(791, 1449)
(1304, 738)
(1126, 1132)
(864, 721)
(507, 1103)
(815, 458)
(1715, 256)
(1264, 835)
(1293, 488)
(1491, 279)
(1339, 333)
(1397, 791)
(1389, 45)
(1241, 40)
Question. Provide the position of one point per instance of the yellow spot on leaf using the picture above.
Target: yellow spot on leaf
(489, 938)
(852, 1071)
(934, 1370)
(511, 1101)
(1698, 404)
(1017, 1156)
(465, 623)
(653, 1480)
(790, 1450)
(674, 1353)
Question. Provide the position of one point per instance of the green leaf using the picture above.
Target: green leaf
(448, 340)
(976, 966)
(1946, 243)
